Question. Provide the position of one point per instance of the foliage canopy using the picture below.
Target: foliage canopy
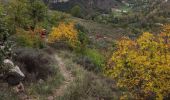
(142, 66)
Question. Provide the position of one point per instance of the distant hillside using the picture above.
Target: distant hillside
(88, 6)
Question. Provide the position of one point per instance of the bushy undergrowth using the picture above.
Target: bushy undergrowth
(6, 93)
(36, 63)
(44, 89)
(91, 60)
(86, 85)
(29, 38)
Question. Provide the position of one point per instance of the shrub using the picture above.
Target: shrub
(34, 62)
(142, 66)
(76, 11)
(55, 17)
(96, 58)
(82, 33)
(92, 60)
(65, 32)
(86, 63)
(29, 38)
(82, 38)
(87, 86)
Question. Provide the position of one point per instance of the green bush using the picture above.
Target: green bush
(91, 60)
(82, 37)
(76, 11)
(55, 17)
(96, 58)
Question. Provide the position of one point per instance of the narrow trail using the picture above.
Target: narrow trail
(68, 78)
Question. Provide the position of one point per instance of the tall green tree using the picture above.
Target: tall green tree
(17, 13)
(37, 11)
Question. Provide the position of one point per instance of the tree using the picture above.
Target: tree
(142, 66)
(76, 11)
(17, 14)
(25, 13)
(37, 11)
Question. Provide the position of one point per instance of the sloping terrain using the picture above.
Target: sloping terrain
(67, 76)
(102, 36)
(88, 6)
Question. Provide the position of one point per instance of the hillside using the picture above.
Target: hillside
(88, 6)
(84, 50)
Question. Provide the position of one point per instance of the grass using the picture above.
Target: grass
(38, 90)
(96, 57)
(87, 85)
(6, 93)
(101, 29)
(46, 88)
(102, 36)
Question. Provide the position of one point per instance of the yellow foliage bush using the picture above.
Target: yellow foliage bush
(64, 32)
(142, 66)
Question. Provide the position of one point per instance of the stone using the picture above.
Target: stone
(13, 75)
(19, 88)
(50, 98)
(17, 70)
(41, 81)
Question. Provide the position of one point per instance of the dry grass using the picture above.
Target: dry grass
(87, 85)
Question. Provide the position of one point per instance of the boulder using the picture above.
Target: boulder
(13, 74)
(17, 70)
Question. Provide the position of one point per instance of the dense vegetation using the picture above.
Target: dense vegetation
(142, 66)
(91, 51)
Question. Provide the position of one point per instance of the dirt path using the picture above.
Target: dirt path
(67, 76)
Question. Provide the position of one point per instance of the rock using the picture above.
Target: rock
(13, 79)
(17, 70)
(50, 98)
(19, 88)
(23, 96)
(41, 81)
(7, 61)
(7, 64)
(13, 75)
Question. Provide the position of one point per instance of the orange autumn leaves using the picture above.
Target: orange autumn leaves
(142, 66)
(64, 32)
